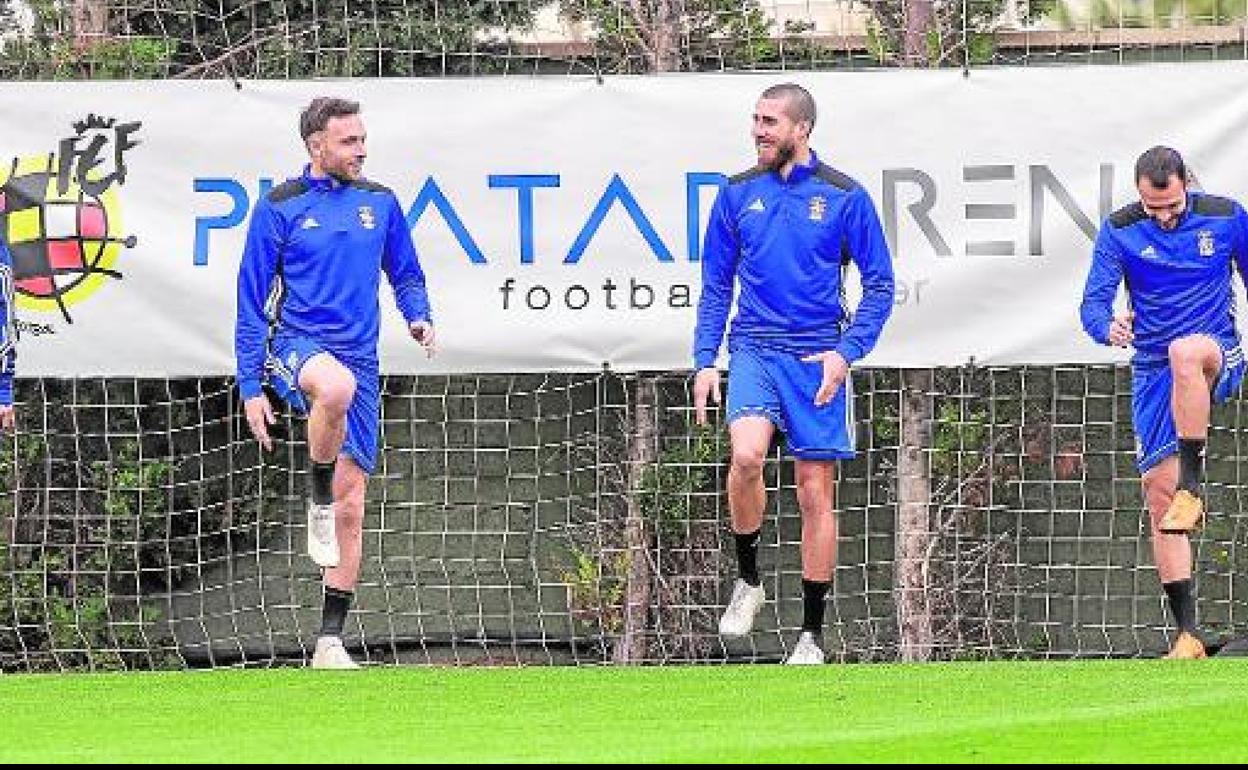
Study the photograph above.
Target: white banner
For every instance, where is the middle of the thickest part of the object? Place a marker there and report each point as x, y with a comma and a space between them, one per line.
559, 220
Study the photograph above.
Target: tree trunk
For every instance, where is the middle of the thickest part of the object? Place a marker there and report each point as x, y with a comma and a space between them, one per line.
89, 22
918, 16
642, 455
658, 22
667, 41
914, 530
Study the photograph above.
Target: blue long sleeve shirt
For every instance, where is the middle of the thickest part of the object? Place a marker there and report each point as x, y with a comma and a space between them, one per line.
1178, 281
8, 327
312, 265
787, 243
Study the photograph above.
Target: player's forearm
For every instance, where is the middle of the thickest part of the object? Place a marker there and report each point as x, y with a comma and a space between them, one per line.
8, 366
251, 331
1096, 322
250, 338
709, 333
873, 312
8, 357
1096, 312
413, 302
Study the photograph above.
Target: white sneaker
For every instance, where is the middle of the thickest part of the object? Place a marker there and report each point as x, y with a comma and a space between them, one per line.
738, 618
322, 535
806, 652
332, 655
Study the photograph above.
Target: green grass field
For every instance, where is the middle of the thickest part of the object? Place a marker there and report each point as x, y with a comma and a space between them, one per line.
1134, 711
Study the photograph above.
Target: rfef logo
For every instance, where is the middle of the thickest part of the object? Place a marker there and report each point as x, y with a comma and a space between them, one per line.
60, 214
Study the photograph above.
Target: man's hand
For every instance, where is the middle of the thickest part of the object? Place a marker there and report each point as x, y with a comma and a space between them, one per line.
259, 418
705, 386
835, 369
7, 420
422, 332
1120, 334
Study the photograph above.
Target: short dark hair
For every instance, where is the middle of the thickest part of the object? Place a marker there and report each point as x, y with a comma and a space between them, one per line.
801, 105
315, 117
1158, 164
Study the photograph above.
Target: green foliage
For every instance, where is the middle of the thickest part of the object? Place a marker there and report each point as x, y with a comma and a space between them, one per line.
670, 487
958, 34
94, 531
1037, 642
633, 36
596, 590
678, 500
1147, 14
343, 38
75, 596
958, 439
289, 39
1223, 550
55, 59
51, 49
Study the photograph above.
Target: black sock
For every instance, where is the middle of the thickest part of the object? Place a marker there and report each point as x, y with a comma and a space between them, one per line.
1182, 604
334, 614
323, 482
1191, 464
747, 556
813, 593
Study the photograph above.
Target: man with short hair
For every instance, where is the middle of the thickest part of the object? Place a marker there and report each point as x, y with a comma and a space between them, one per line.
1175, 249
308, 319
785, 232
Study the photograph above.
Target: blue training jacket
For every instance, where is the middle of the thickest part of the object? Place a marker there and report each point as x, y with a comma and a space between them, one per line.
788, 243
8, 327
312, 266
1178, 281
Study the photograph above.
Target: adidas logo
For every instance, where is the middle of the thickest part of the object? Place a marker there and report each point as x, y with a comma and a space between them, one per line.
310, 224
1148, 251
757, 205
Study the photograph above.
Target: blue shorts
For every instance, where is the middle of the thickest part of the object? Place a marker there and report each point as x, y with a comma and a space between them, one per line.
287, 355
782, 388
1156, 438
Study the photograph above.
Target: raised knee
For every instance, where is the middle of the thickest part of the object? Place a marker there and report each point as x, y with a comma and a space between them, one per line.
336, 394
1187, 355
